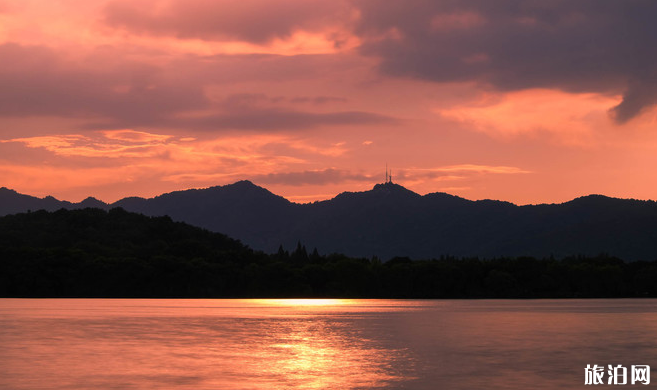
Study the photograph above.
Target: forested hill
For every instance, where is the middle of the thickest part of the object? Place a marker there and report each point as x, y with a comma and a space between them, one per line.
97, 253
389, 220
92, 252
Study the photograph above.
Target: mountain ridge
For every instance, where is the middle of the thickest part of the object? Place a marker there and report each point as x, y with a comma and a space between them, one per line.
250, 183
390, 220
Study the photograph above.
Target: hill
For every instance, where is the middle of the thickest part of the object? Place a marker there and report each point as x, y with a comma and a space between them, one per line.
93, 252
115, 253
389, 220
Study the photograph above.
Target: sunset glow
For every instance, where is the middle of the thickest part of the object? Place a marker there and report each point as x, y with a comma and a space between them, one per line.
309, 98
304, 302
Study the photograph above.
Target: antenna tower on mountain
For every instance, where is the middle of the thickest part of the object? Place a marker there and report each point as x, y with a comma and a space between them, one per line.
388, 175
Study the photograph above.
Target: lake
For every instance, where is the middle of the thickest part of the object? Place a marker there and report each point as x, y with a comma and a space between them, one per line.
319, 344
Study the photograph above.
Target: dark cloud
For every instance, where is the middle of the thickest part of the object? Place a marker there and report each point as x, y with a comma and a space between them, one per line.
255, 112
262, 112
240, 100
604, 46
283, 119
36, 81
318, 99
319, 177
247, 20
224, 68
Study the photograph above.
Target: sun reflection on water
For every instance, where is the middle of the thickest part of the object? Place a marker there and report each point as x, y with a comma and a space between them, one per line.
312, 348
304, 302
327, 355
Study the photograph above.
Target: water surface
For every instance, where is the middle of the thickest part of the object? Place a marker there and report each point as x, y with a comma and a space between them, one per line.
318, 344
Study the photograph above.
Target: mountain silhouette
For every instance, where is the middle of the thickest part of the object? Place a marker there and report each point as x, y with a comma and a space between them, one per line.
390, 220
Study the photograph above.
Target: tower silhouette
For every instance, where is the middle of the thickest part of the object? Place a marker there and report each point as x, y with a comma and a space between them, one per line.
388, 175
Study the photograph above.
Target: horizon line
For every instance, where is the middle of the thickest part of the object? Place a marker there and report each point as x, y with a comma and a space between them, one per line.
91, 197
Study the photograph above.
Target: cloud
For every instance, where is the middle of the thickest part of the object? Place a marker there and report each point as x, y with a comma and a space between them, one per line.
131, 136
641, 94
410, 176
318, 99
39, 81
309, 198
40, 180
312, 177
258, 111
569, 118
455, 172
600, 46
137, 145
241, 101
282, 119
184, 160
110, 144
478, 169
256, 21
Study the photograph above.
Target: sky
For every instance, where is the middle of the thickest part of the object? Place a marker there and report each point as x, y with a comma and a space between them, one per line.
533, 101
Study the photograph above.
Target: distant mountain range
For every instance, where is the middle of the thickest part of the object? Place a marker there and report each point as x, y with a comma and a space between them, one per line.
390, 220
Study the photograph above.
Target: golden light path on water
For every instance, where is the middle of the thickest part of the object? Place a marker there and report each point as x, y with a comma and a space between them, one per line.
304, 302
312, 350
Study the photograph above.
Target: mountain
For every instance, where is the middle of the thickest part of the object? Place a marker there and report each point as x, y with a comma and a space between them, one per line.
241, 210
12, 202
389, 220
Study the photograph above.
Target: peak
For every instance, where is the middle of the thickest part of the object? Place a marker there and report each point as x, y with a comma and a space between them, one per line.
91, 200
381, 190
591, 198
387, 184
238, 185
244, 190
5, 189
243, 183
389, 188
595, 200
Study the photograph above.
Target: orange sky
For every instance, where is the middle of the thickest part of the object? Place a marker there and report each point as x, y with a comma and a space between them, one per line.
308, 98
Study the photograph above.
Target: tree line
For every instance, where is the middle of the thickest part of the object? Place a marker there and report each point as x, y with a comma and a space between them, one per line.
97, 253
